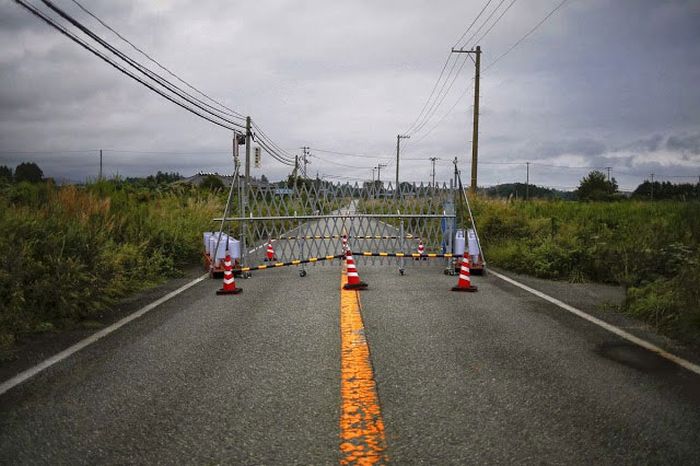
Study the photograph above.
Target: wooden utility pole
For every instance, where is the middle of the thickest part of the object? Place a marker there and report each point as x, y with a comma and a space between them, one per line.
99, 177
652, 187
399, 137
475, 128
527, 181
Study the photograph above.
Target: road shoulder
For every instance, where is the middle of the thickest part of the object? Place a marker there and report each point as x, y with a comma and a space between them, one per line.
33, 349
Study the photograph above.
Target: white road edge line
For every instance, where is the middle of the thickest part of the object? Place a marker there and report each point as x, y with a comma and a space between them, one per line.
45, 364
611, 328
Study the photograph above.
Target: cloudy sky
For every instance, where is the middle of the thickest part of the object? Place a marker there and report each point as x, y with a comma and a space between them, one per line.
601, 83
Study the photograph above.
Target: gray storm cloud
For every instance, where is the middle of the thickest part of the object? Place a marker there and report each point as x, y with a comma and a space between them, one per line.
601, 83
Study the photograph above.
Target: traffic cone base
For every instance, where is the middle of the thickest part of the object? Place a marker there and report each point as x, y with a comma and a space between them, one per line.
471, 288
223, 291
355, 286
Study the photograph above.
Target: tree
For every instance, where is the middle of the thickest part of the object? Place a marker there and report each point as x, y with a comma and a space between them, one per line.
594, 187
28, 171
212, 183
264, 179
5, 173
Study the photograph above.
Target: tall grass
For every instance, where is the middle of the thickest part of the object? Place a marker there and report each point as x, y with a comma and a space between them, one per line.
653, 249
67, 253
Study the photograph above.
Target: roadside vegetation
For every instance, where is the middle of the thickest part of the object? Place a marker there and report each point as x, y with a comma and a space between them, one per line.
69, 252
650, 248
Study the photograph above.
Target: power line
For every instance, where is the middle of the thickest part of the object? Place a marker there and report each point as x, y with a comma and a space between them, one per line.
340, 164
449, 112
436, 104
442, 72
230, 112
495, 22
472, 24
482, 24
140, 68
519, 41
211, 114
347, 154
120, 68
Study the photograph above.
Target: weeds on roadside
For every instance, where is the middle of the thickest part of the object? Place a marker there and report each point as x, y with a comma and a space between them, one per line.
67, 253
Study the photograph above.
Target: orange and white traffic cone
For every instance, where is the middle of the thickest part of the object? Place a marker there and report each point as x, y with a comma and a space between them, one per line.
344, 239
354, 282
270, 253
464, 282
229, 281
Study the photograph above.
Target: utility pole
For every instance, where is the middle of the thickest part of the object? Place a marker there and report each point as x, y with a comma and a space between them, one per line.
248, 134
608, 169
652, 187
527, 181
295, 173
475, 128
99, 177
399, 137
374, 169
432, 160
305, 158
379, 172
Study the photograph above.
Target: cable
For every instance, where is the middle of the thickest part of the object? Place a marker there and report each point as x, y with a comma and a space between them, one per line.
434, 107
281, 152
340, 164
232, 113
519, 41
363, 156
103, 57
472, 24
139, 67
449, 112
427, 101
442, 72
496, 22
484, 23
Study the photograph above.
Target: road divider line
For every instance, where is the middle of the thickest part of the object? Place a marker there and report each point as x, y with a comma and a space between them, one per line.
56, 358
609, 327
362, 439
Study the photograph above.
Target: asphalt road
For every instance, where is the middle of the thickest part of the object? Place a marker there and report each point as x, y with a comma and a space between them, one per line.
498, 376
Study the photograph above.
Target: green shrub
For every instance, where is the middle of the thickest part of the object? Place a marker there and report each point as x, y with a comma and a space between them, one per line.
67, 253
650, 248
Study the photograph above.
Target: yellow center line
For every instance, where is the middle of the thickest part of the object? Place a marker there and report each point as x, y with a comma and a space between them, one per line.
362, 438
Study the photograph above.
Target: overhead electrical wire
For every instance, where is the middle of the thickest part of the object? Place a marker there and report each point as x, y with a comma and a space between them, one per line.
41, 15
230, 111
426, 116
495, 22
139, 67
339, 163
444, 67
161, 85
279, 154
347, 154
472, 24
439, 103
524, 37
488, 18
436, 105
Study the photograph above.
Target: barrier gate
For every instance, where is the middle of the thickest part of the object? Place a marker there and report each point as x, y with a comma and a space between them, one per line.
309, 219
